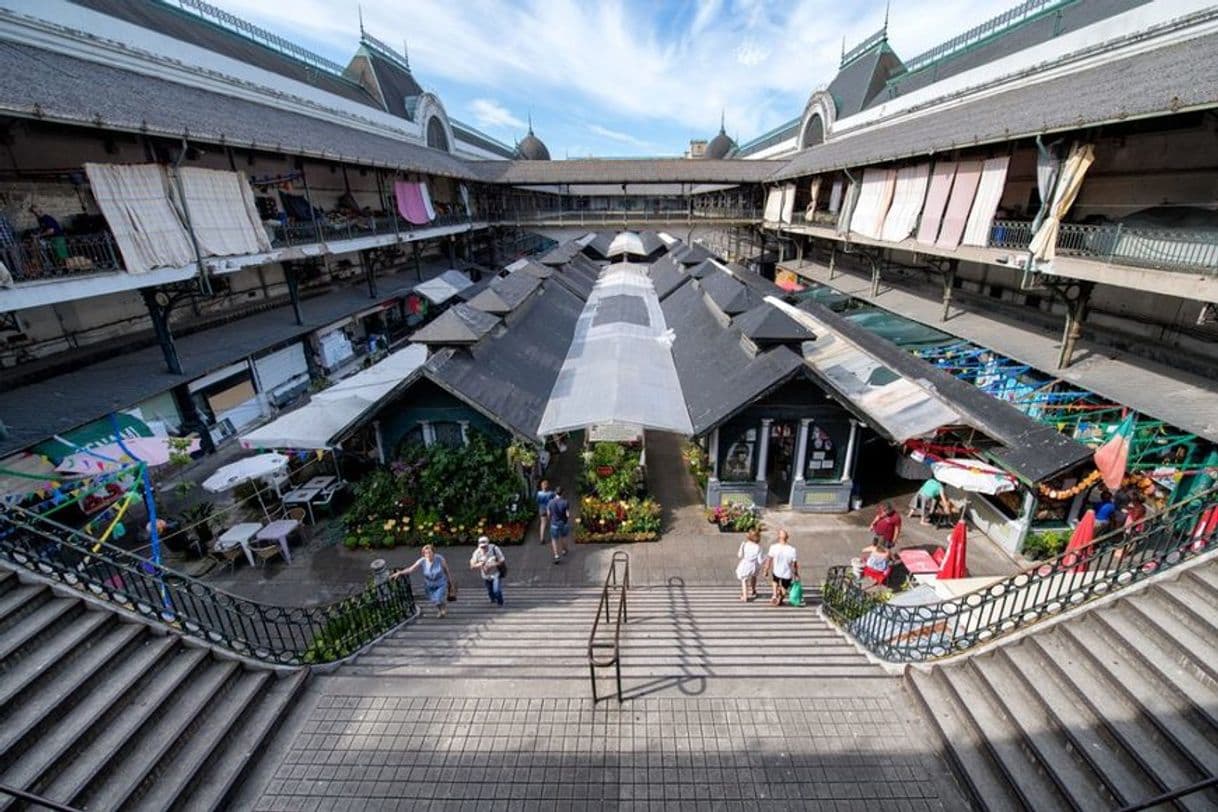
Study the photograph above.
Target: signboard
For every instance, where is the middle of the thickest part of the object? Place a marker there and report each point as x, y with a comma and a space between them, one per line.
745, 499
92, 435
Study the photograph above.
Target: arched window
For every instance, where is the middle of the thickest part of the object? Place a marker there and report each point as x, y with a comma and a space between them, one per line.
814, 133
436, 137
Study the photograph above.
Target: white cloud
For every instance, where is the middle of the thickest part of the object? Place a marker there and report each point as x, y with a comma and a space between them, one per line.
490, 114
621, 137
758, 60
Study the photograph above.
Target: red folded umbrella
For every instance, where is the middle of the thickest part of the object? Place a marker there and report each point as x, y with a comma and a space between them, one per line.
1080, 540
953, 562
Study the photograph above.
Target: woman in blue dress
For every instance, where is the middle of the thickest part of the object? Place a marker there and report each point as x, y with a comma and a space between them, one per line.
435, 578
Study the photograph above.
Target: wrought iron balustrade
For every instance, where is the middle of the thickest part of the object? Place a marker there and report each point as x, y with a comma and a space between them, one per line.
52, 258
617, 216
1114, 561
281, 635
1173, 249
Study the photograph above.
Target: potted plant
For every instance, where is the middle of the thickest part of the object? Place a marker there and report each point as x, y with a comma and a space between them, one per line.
198, 517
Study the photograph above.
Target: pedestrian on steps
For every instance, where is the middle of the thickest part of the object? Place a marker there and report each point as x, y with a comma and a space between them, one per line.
782, 566
544, 495
749, 558
435, 578
560, 523
488, 560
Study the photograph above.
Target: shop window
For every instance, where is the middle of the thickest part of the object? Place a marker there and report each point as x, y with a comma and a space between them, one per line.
448, 433
413, 437
736, 456
826, 451
1009, 504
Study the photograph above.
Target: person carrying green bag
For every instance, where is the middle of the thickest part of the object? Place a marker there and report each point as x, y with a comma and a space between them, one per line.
795, 597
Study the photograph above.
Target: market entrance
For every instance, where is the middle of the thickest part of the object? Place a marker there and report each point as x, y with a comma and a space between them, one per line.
780, 461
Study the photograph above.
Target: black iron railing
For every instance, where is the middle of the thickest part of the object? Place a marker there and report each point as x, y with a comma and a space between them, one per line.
55, 257
1114, 561
1172, 249
306, 233
608, 653
282, 635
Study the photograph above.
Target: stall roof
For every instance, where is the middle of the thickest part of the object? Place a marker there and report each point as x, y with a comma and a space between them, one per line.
703, 268
666, 277
505, 294
460, 324
440, 289
322, 422
531, 267
562, 253
767, 324
577, 278
619, 367
718, 377
728, 293
509, 374
1029, 449
694, 253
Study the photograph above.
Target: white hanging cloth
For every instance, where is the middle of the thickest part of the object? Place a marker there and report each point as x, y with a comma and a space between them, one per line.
906, 202
134, 199
1044, 241
773, 206
221, 212
985, 203
875, 197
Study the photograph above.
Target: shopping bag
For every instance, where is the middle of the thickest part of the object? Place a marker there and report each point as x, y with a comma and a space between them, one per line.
796, 596
452, 590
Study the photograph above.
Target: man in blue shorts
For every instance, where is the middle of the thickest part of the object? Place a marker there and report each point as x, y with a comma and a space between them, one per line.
560, 523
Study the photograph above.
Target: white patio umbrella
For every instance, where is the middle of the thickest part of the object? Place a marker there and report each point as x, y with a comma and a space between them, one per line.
152, 451
973, 476
258, 466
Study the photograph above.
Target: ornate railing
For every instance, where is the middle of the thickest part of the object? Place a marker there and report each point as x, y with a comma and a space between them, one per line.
281, 635
55, 257
619, 216
260, 35
987, 29
305, 233
1165, 248
1114, 561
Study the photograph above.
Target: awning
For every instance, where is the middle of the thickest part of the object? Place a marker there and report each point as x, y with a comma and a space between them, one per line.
899, 407
322, 422
222, 212
619, 368
443, 287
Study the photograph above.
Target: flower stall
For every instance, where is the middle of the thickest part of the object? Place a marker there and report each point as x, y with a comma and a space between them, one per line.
613, 507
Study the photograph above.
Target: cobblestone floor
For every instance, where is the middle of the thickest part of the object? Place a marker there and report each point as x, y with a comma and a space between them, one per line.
385, 752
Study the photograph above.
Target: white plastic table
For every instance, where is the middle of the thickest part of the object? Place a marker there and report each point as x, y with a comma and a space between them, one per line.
279, 531
303, 496
240, 534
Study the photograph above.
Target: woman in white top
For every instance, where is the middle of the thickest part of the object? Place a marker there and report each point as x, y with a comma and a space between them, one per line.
750, 558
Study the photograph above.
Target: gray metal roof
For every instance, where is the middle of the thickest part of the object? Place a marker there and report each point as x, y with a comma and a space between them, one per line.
730, 295
562, 253
666, 277
765, 324
459, 324
1143, 84
1031, 450
509, 376
505, 293
718, 378
640, 170
51, 86
693, 254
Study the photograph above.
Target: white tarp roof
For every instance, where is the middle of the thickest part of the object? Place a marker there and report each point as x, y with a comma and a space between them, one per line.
318, 423
904, 408
619, 368
443, 287
626, 242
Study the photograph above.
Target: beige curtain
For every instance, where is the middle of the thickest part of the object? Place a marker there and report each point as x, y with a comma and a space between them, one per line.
222, 212
134, 199
813, 194
1069, 182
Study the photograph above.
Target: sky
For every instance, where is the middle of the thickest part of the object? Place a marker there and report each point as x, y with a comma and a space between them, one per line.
619, 77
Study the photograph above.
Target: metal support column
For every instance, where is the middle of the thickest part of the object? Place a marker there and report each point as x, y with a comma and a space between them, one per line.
949, 279
309, 199
290, 276
369, 273
159, 307
875, 274
192, 421
832, 260
418, 261
1077, 303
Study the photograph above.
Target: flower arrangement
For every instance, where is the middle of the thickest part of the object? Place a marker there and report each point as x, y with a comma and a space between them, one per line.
622, 520
735, 518
698, 463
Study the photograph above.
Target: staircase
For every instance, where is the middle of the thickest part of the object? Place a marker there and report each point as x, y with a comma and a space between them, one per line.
673, 633
1111, 707
100, 713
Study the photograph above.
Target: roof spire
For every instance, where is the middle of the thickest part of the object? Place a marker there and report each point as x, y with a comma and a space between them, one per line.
406, 53
360, 9
887, 7
723, 119
530, 122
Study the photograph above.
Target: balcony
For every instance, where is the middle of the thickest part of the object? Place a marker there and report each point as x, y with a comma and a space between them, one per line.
1168, 249
618, 217
305, 233
37, 259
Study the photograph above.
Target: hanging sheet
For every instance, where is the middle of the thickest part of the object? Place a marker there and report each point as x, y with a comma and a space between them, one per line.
410, 203
788, 202
813, 195
425, 193
936, 201
906, 202
835, 196
964, 187
1044, 242
773, 206
849, 204
134, 199
222, 212
875, 197
985, 203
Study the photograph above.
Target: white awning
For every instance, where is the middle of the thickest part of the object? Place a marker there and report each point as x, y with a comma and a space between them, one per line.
619, 368
321, 422
627, 242
443, 287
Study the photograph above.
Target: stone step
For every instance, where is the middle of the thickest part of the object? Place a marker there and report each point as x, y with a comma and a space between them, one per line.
37, 625
8, 581
1187, 637
1124, 777
102, 703
962, 742
214, 785
1206, 574
128, 766
93, 756
55, 696
1104, 696
175, 771
760, 670
51, 654
1207, 588
20, 600
1052, 752
1003, 740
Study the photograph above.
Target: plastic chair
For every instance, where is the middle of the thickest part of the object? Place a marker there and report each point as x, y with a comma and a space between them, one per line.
879, 577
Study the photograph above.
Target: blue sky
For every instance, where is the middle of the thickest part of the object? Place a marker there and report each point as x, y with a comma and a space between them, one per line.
618, 77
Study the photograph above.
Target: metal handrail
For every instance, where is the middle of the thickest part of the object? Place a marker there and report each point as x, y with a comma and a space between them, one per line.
1112, 562
615, 660
280, 635
1172, 795
37, 800
1186, 249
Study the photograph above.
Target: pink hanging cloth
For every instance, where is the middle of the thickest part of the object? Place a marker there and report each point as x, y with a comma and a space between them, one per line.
410, 202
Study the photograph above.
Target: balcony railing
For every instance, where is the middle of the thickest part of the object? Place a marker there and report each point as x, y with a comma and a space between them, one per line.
303, 233
281, 635
1170, 249
52, 258
618, 216
817, 218
1114, 561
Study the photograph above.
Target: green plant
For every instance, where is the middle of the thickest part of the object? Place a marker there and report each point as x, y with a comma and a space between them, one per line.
521, 454
353, 623
1044, 544
698, 463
